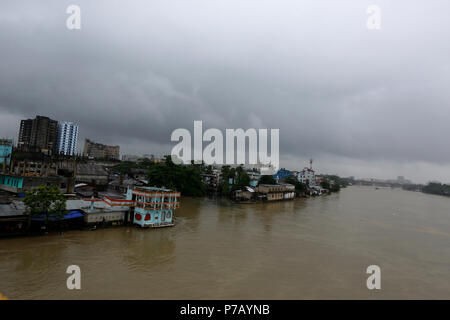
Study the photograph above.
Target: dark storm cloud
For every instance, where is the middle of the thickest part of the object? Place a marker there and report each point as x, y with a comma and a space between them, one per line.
338, 92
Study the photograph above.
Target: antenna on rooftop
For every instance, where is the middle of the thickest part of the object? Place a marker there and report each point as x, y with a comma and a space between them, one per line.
310, 163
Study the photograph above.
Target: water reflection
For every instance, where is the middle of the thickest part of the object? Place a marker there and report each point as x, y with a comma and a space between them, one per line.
148, 249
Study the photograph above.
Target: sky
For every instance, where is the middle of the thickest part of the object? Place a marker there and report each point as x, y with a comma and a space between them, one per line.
360, 102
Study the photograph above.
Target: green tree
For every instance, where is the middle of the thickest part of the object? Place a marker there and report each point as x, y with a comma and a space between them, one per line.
184, 178
242, 178
225, 188
291, 180
225, 184
47, 201
299, 187
335, 187
267, 179
326, 185
225, 171
437, 188
124, 167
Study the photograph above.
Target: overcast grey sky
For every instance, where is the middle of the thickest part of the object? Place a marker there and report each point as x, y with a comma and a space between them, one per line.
369, 103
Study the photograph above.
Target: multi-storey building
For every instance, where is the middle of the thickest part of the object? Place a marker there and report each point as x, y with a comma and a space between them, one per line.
25, 133
100, 151
307, 176
25, 174
131, 157
67, 138
40, 132
5, 152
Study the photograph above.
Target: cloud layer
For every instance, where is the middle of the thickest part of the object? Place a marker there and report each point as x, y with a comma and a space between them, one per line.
360, 102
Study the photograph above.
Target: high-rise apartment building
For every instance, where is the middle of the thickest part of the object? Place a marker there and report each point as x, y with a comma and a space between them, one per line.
25, 132
67, 138
40, 132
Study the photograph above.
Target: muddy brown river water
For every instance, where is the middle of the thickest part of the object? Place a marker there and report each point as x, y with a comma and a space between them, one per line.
316, 248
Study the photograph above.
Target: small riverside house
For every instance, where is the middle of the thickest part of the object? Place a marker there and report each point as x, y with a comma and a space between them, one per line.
13, 219
106, 211
274, 192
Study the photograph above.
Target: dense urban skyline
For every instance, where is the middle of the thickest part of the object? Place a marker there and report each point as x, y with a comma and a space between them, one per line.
360, 102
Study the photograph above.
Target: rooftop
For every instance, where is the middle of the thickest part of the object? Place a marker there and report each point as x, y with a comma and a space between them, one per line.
91, 169
152, 189
15, 208
99, 206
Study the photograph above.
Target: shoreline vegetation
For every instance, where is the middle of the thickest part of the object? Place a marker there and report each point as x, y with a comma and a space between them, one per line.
187, 179
436, 188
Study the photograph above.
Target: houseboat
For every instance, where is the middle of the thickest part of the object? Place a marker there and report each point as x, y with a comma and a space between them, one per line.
143, 206
274, 192
153, 207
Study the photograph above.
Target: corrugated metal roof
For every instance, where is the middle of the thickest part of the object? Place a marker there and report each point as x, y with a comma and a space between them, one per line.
15, 208
249, 189
70, 215
86, 205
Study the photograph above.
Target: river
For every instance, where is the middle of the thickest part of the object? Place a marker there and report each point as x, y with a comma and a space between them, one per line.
317, 248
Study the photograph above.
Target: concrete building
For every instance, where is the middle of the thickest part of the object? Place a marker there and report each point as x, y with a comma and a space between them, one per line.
24, 175
122, 186
307, 176
106, 211
273, 192
100, 151
211, 180
40, 132
401, 180
67, 138
246, 194
130, 157
21, 184
153, 158
13, 220
92, 174
6, 146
